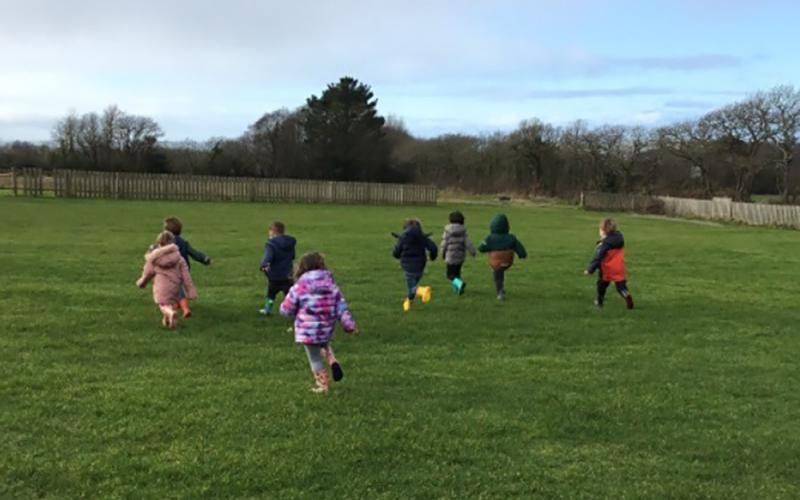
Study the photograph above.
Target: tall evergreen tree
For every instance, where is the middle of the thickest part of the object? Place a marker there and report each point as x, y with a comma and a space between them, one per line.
344, 133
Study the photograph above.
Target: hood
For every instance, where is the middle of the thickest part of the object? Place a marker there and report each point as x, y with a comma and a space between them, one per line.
614, 240
499, 224
282, 242
317, 279
413, 233
168, 256
455, 229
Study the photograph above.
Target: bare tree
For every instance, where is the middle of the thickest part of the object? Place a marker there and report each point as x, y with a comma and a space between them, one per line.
743, 129
783, 103
65, 134
90, 138
691, 141
535, 144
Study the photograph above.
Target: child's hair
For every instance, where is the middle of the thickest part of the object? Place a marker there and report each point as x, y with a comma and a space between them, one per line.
173, 225
165, 238
309, 262
608, 225
412, 222
456, 217
278, 227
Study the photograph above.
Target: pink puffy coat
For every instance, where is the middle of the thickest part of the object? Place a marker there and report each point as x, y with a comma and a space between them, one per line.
316, 304
169, 272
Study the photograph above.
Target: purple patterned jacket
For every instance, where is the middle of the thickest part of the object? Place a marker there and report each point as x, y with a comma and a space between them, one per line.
316, 304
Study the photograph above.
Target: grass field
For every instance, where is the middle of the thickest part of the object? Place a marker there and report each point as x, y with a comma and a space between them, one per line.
692, 395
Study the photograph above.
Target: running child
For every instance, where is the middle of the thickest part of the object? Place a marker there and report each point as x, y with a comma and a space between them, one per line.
455, 245
170, 274
411, 247
501, 247
174, 226
277, 264
316, 304
609, 259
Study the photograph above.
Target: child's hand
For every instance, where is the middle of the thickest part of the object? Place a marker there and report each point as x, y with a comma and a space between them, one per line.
140, 283
265, 269
585, 272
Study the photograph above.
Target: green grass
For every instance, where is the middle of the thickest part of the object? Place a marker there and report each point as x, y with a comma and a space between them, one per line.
692, 395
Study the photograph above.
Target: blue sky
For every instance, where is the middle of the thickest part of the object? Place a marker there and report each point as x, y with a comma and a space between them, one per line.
208, 69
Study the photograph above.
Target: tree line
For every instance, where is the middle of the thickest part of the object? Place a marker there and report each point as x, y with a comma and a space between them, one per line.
742, 148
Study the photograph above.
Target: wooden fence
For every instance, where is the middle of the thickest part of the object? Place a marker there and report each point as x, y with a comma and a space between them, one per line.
137, 186
718, 209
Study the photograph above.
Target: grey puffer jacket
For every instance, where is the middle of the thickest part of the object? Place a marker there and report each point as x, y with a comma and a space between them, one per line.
456, 244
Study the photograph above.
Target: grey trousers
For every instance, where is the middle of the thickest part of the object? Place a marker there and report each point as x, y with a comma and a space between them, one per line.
314, 353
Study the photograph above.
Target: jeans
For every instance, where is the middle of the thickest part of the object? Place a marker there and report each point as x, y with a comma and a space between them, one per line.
412, 279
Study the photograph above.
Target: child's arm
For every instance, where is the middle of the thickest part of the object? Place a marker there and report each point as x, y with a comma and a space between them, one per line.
469, 246
520, 249
291, 303
432, 250
443, 244
186, 278
343, 313
483, 247
597, 259
398, 247
197, 255
148, 271
267, 259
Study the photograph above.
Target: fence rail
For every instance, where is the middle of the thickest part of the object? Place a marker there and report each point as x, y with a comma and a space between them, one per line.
137, 186
717, 209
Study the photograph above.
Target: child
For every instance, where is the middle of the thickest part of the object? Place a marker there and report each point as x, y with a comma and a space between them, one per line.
609, 258
411, 246
170, 274
455, 245
277, 264
174, 226
316, 304
501, 246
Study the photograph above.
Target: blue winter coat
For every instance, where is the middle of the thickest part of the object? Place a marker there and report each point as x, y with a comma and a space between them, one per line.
411, 247
278, 257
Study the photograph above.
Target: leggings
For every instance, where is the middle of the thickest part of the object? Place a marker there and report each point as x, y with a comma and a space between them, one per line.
499, 279
602, 286
316, 353
453, 271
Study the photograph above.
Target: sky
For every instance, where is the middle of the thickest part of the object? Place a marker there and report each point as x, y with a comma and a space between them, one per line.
210, 68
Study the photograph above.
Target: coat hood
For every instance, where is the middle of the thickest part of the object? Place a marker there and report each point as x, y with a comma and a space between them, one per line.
614, 240
283, 242
499, 224
455, 229
317, 279
167, 256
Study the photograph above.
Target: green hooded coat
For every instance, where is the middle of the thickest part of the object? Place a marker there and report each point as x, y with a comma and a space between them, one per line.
500, 239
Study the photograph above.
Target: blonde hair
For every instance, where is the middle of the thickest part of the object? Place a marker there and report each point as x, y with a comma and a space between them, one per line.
165, 238
608, 225
309, 262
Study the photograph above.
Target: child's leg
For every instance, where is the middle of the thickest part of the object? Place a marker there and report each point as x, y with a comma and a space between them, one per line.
168, 318
313, 351
411, 283
454, 274
273, 287
499, 280
602, 286
622, 289
336, 368
184, 303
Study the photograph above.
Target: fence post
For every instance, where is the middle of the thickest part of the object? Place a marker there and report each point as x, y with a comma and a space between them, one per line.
14, 179
581, 203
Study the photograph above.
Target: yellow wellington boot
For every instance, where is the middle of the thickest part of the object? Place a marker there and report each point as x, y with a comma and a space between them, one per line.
424, 293
407, 305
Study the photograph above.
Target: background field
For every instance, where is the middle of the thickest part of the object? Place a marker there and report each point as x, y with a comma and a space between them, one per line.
693, 394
